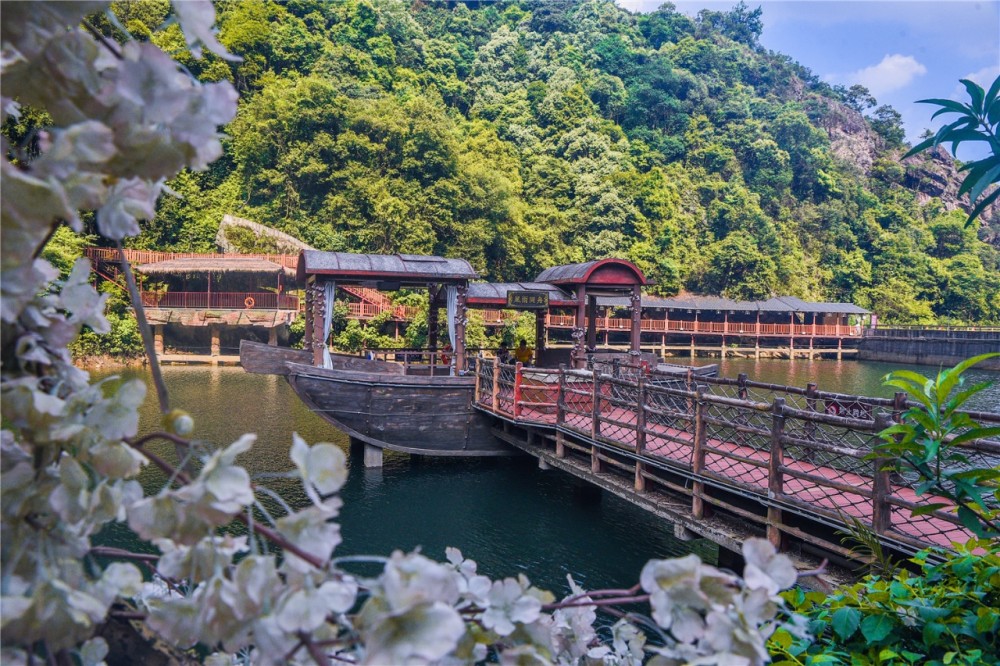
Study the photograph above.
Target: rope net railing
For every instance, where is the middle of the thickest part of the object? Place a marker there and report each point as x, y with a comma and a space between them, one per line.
779, 445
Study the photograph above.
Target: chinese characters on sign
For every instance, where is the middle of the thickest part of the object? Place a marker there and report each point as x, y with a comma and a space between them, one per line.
854, 410
528, 300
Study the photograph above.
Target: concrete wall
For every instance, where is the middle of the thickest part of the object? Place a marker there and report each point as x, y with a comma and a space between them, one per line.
929, 346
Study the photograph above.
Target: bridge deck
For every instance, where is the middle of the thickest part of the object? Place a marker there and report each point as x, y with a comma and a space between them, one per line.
801, 468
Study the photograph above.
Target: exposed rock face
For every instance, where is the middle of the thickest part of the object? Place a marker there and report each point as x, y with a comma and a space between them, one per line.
934, 174
851, 138
931, 174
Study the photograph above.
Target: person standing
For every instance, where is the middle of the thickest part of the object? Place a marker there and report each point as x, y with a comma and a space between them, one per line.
523, 353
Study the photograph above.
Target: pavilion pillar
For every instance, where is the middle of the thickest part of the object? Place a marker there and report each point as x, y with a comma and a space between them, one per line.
579, 353
308, 315
319, 341
591, 323
432, 322
158, 339
272, 336
540, 340
636, 331
216, 345
461, 319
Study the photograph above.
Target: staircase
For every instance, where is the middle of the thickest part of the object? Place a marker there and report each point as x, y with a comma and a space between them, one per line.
377, 299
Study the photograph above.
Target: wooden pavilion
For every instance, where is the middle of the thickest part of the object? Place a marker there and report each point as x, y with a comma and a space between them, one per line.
223, 293
589, 281
447, 281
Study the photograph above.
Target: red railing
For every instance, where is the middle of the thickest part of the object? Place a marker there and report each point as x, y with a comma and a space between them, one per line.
138, 257
712, 327
791, 448
223, 300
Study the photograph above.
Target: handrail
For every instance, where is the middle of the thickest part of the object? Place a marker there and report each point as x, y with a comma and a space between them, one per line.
219, 300
138, 257
792, 454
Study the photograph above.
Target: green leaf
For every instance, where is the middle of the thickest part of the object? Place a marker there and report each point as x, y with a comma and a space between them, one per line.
991, 95
845, 621
988, 179
949, 104
975, 93
876, 627
924, 509
970, 520
974, 171
982, 205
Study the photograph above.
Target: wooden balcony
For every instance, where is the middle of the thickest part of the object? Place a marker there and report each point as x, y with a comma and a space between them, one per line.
222, 300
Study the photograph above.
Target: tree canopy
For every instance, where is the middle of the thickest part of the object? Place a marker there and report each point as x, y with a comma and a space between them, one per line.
521, 134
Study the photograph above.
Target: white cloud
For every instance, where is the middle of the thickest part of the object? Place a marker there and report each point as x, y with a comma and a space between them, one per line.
984, 77
895, 72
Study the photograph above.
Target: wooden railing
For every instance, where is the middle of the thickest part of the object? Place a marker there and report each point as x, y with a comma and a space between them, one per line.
223, 300
713, 328
138, 257
801, 456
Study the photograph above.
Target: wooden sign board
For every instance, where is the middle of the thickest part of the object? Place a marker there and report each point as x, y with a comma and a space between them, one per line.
528, 300
852, 409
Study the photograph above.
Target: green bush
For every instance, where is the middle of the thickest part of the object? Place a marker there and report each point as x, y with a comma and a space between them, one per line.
947, 614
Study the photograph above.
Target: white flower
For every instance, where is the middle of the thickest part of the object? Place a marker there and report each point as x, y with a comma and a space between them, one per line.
412, 579
323, 467
509, 604
423, 633
197, 18
766, 568
127, 202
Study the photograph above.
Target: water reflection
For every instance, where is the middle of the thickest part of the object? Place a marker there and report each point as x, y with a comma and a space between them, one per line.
505, 513
853, 377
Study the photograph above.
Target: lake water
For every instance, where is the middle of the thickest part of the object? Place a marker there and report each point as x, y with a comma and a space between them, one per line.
506, 514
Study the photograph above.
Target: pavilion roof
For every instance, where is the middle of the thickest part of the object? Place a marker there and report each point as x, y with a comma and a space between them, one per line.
605, 272
495, 293
397, 268
193, 265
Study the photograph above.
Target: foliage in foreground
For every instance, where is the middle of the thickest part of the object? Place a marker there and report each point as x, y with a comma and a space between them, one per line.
928, 441
948, 613
978, 122
125, 119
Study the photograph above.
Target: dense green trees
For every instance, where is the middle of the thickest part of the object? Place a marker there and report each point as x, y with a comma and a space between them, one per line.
520, 134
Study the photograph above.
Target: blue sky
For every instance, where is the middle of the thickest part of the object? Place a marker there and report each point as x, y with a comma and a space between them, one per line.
901, 50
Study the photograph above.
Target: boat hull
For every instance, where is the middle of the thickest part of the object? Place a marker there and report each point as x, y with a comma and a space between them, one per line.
382, 407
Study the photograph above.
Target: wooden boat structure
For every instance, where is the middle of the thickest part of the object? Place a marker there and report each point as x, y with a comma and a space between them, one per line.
429, 408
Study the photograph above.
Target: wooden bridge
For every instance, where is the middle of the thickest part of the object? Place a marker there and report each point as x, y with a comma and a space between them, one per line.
724, 458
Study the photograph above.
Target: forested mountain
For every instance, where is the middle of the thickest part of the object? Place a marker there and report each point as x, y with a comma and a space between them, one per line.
523, 134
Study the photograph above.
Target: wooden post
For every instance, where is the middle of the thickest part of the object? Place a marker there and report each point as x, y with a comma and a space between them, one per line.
595, 424
640, 434
432, 325
591, 323
517, 390
698, 455
216, 345
775, 478
881, 484
308, 314
272, 336
539, 335
561, 412
811, 406
636, 331
319, 341
479, 376
496, 384
595, 427
579, 353
158, 339
461, 317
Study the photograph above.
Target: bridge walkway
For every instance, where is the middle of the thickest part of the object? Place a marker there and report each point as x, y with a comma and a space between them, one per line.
793, 463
